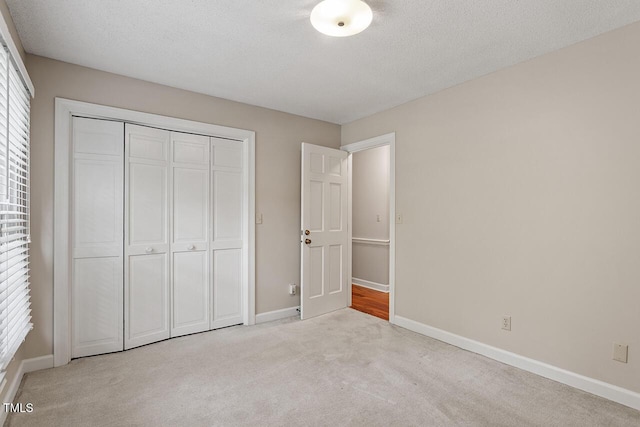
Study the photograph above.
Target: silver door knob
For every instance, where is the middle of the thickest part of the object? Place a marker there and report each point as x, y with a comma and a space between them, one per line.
149, 250
191, 247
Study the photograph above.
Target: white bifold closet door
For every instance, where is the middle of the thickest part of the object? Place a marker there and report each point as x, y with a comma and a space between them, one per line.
157, 235
189, 234
167, 289
227, 232
96, 237
146, 235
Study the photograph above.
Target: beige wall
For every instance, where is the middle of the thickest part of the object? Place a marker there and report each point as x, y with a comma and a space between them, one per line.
521, 196
370, 213
278, 138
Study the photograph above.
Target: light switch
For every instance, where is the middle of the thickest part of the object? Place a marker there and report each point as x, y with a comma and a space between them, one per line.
398, 218
259, 218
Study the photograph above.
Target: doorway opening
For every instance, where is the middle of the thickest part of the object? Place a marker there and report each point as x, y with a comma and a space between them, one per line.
370, 231
327, 234
372, 225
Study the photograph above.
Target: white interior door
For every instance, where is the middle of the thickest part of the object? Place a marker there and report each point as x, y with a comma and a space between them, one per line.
189, 236
96, 235
324, 238
227, 231
146, 235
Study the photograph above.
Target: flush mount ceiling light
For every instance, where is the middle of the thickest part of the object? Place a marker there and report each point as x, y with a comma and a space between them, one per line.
341, 18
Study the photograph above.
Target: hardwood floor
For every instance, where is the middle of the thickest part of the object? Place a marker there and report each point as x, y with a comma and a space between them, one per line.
368, 301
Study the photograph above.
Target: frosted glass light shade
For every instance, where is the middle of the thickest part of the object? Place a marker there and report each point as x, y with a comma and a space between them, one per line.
341, 18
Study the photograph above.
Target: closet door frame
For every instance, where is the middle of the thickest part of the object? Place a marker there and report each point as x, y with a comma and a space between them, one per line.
65, 109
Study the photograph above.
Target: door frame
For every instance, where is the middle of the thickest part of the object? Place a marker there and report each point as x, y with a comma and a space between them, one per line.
375, 142
65, 109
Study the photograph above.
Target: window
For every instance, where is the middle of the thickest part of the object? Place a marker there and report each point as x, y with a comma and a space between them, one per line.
15, 311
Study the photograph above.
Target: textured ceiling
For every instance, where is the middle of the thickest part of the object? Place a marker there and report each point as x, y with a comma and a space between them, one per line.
267, 53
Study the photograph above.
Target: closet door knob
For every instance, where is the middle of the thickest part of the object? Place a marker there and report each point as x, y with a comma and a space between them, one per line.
149, 250
191, 247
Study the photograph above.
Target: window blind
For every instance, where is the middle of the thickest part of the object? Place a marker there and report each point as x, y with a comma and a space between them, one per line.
15, 311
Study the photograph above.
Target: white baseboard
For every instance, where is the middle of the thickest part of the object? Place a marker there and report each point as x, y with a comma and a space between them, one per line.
37, 363
277, 314
26, 366
590, 385
371, 285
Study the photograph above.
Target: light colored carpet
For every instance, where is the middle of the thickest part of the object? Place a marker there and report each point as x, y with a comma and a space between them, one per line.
344, 368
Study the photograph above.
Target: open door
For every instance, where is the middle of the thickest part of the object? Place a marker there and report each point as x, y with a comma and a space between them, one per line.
324, 236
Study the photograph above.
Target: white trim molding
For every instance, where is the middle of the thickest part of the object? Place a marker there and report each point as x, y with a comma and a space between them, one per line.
284, 313
378, 141
371, 285
375, 142
65, 109
374, 242
581, 382
37, 363
26, 366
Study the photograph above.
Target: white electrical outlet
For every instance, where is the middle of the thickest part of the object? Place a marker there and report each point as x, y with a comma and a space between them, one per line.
620, 352
292, 289
258, 218
506, 323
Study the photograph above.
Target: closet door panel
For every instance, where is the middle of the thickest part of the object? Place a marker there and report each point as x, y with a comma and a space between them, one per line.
189, 232
96, 236
148, 303
101, 137
148, 204
190, 293
148, 143
190, 199
190, 149
96, 306
226, 233
227, 209
227, 297
147, 268
97, 207
226, 154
